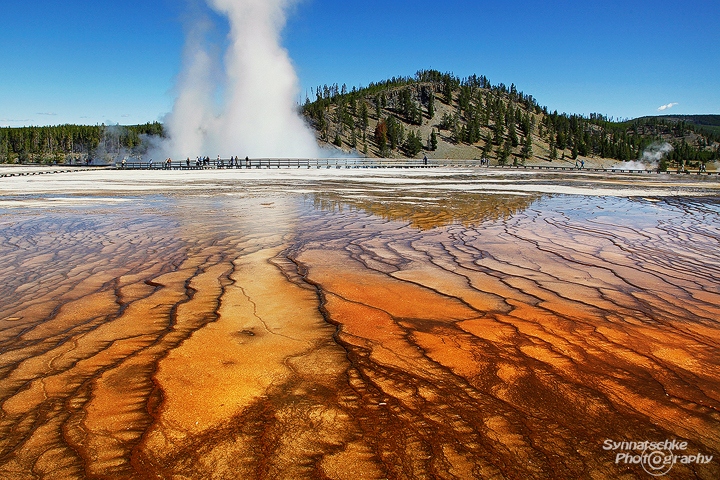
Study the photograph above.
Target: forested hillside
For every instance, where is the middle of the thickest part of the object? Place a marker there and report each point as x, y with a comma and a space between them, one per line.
432, 112
471, 118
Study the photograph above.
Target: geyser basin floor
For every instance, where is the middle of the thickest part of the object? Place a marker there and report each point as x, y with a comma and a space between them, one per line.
355, 329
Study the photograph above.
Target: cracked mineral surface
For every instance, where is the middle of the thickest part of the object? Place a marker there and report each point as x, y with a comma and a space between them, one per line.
344, 326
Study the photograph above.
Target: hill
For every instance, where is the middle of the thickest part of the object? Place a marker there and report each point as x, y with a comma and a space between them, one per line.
448, 117
430, 113
708, 124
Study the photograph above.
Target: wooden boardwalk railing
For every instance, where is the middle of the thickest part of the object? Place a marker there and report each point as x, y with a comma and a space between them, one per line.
274, 163
43, 172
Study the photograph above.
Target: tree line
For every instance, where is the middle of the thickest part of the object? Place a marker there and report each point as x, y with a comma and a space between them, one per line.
69, 143
403, 116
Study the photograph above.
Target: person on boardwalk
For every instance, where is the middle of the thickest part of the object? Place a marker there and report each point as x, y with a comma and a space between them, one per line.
187, 162
425, 160
247, 162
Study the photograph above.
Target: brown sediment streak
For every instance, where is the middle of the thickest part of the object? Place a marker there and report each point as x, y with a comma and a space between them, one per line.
276, 338
519, 345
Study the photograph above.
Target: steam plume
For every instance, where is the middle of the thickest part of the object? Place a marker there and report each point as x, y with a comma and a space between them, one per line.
650, 158
655, 152
257, 115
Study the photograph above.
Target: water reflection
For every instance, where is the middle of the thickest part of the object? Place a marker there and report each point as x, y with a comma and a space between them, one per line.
428, 210
355, 331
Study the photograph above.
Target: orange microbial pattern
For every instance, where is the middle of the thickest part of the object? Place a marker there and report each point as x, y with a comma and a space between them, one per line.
307, 335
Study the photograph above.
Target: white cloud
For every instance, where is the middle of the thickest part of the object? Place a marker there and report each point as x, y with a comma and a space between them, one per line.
665, 107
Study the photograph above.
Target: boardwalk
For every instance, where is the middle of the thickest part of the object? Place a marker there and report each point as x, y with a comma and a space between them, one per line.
39, 171
275, 163
278, 163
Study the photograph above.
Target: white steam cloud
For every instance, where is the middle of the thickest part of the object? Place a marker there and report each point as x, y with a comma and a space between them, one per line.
245, 104
650, 158
655, 152
668, 106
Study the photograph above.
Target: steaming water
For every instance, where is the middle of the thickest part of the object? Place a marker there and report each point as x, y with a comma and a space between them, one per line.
257, 116
650, 157
425, 183
328, 324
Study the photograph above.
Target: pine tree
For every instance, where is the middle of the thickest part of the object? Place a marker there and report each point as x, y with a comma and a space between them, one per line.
381, 136
512, 133
364, 116
413, 144
553, 152
527, 150
447, 90
322, 126
561, 141
507, 149
395, 132
431, 105
433, 141
499, 128
447, 122
487, 149
502, 155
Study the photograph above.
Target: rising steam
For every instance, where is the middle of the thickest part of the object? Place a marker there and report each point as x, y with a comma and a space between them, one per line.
257, 86
655, 152
651, 156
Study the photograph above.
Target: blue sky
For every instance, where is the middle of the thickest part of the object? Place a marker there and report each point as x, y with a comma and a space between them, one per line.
92, 62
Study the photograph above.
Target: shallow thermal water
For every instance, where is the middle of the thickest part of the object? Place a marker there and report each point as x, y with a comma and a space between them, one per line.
349, 328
